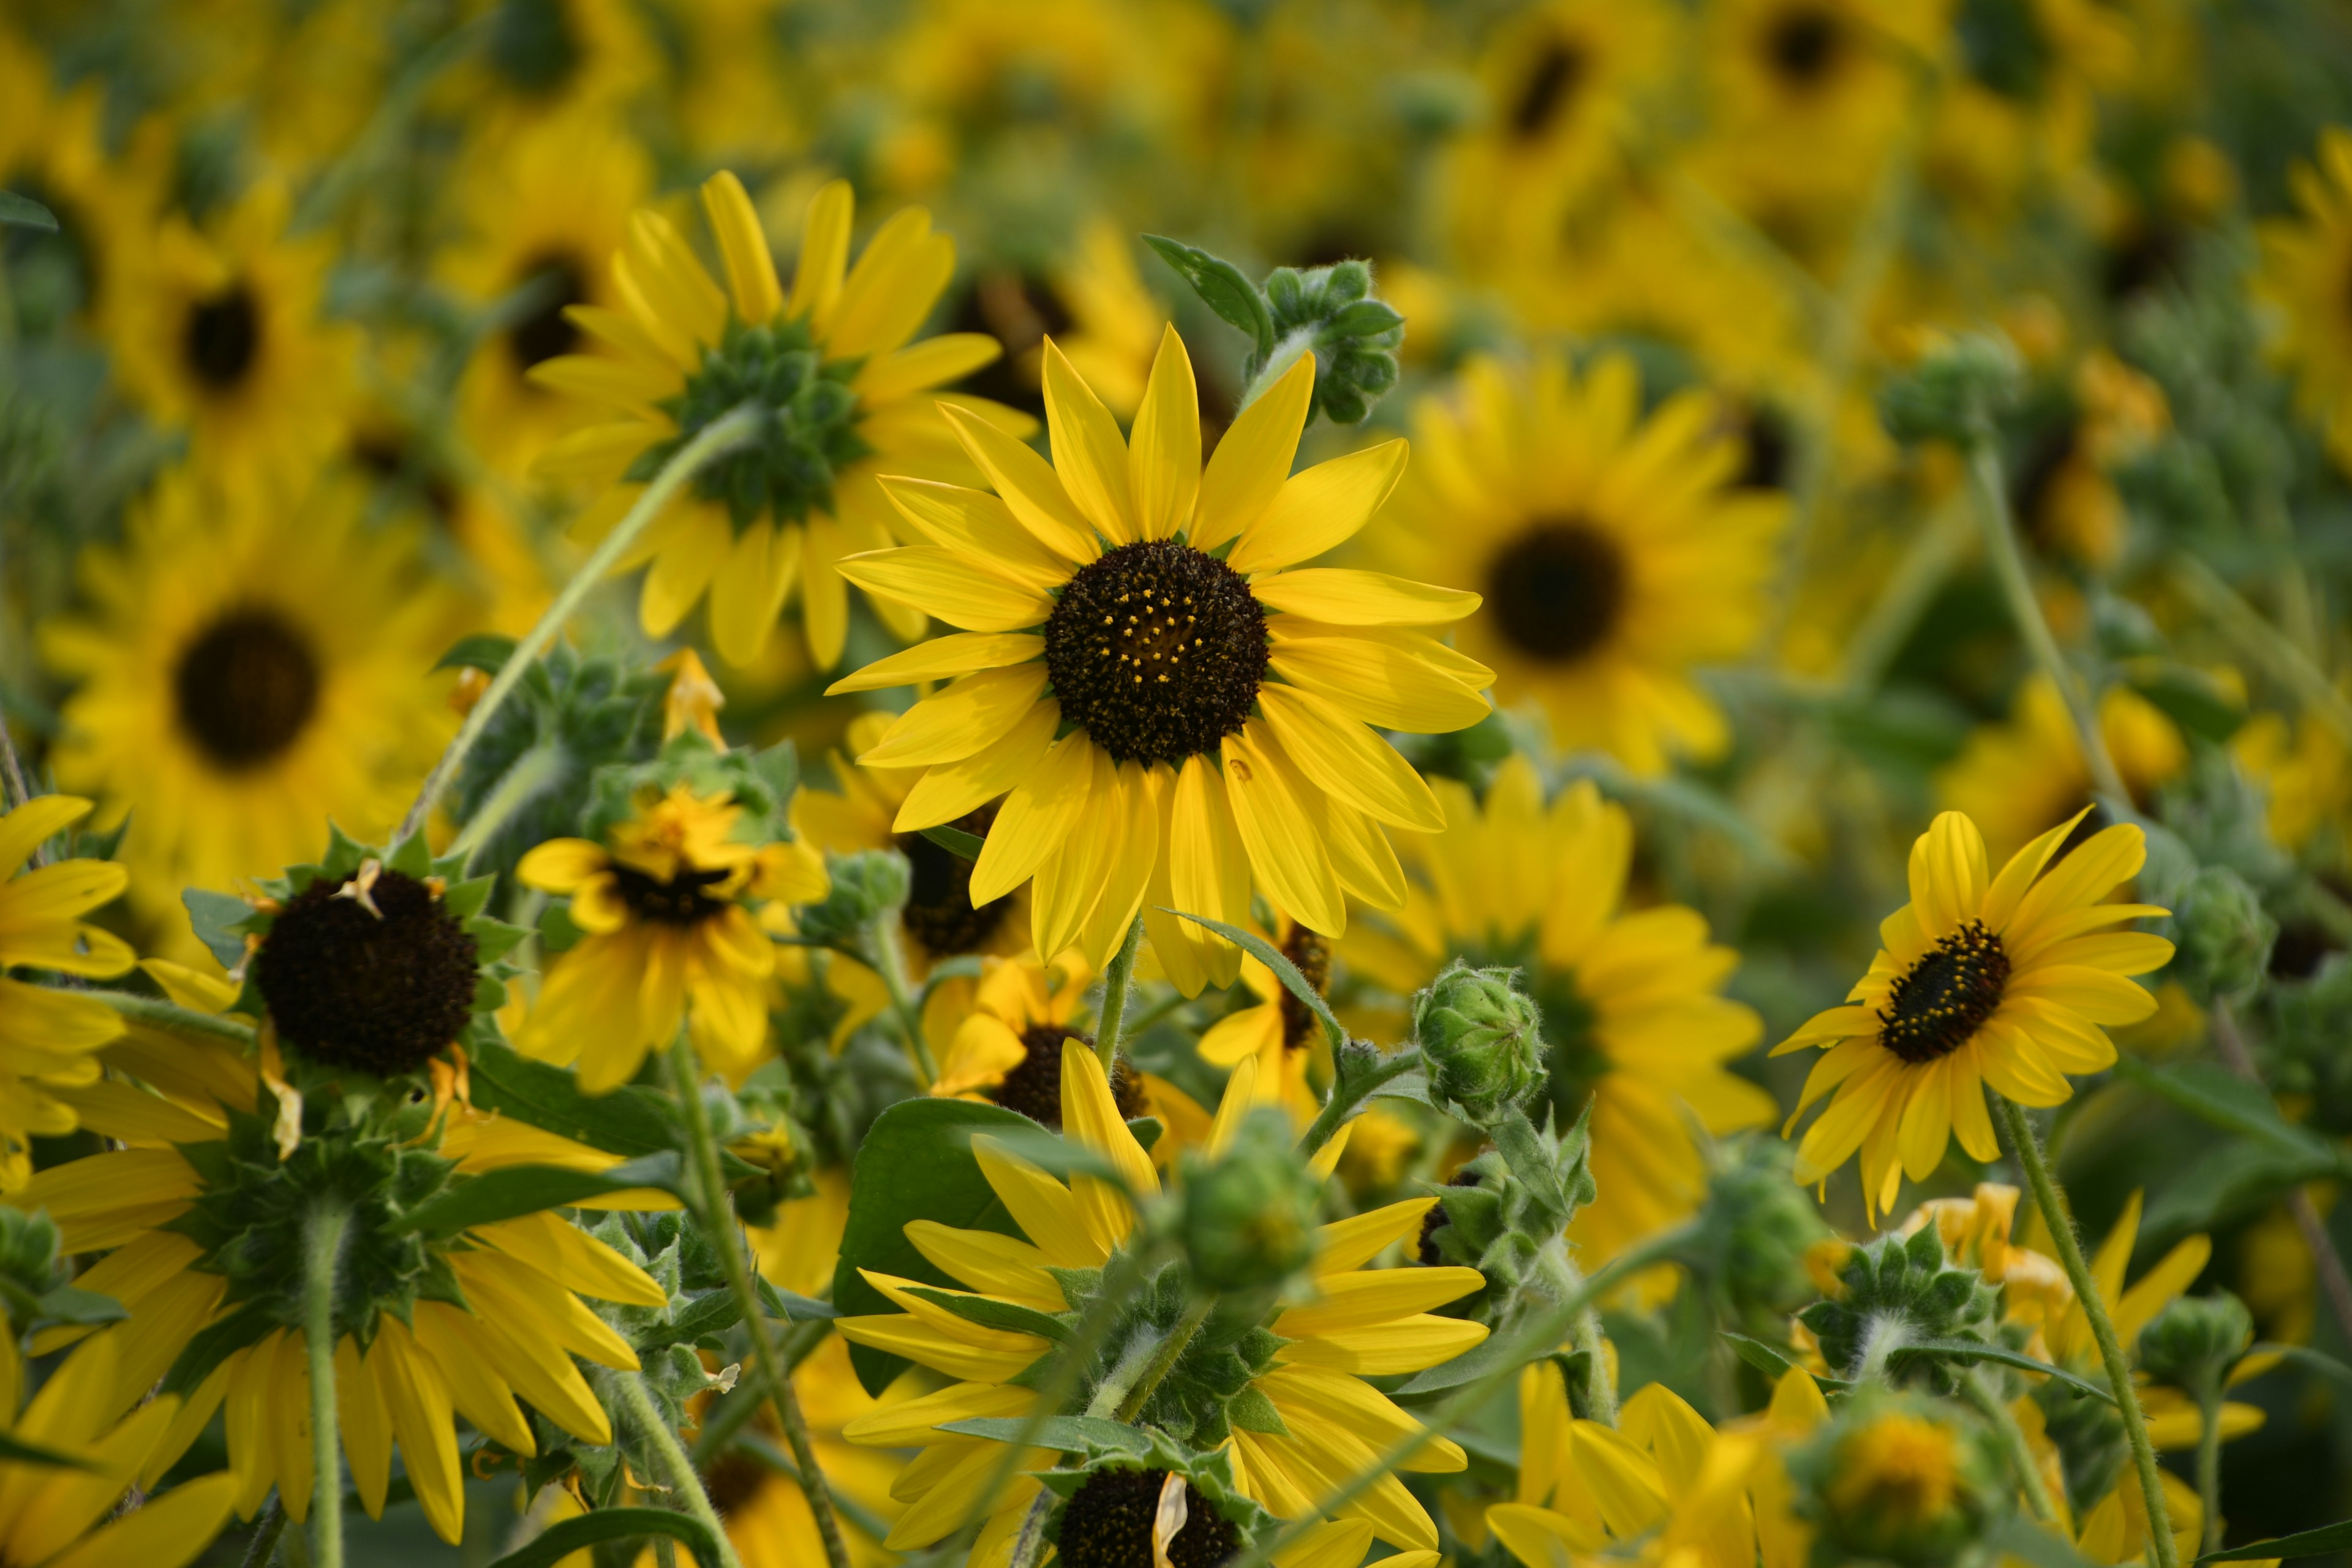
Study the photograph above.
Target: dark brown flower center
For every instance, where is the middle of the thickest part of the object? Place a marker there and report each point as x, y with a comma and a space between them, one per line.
246, 688
1803, 45
684, 900
379, 989
1549, 90
222, 337
1559, 589
1157, 651
1945, 997
1107, 1523
547, 332
1312, 953
1034, 1086
938, 912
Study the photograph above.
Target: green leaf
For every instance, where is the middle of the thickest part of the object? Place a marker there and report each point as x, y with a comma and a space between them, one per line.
557, 1542
1773, 1361
629, 1121
2309, 1543
26, 213
916, 1163
992, 1313
1065, 1434
1977, 1350
1265, 953
218, 919
792, 1306
2234, 1180
18, 1451
1222, 287
2303, 1355
956, 841
67, 1304
518, 1190
2212, 1093
2035, 1544
485, 651
214, 1344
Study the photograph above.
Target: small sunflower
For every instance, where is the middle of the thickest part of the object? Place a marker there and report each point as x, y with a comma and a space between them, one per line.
2020, 106
48, 1038
53, 149
2306, 769
1614, 551
2306, 286
2007, 981
1007, 1047
220, 332
668, 899
833, 363
1632, 1010
251, 666
2016, 780
1176, 711
551, 59
1331, 1423
546, 209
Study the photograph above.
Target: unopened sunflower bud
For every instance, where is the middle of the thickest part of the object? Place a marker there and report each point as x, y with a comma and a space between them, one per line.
1898, 1291
1757, 1228
1329, 312
29, 1261
2223, 934
1900, 1479
1955, 391
1249, 1213
2196, 1340
1482, 1037
866, 885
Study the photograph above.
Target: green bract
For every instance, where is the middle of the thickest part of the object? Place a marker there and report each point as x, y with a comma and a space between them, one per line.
1482, 1039
1249, 1215
1900, 1291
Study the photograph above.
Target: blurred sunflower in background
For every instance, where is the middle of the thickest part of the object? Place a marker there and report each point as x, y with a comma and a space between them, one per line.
2305, 259
2018, 779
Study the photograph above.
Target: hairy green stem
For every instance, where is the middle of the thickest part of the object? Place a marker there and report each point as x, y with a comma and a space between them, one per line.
532, 773
737, 1412
1347, 1096
1882, 1336
2208, 1461
720, 1225
1171, 1350
2052, 1200
1989, 487
1117, 981
1286, 352
170, 1018
716, 439
883, 956
1978, 1391
677, 1469
322, 1259
1567, 1284
1535, 1339
263, 1547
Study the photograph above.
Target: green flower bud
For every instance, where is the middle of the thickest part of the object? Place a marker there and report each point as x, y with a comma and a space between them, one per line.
2223, 934
867, 886
1953, 391
30, 1264
1482, 1037
2196, 1340
1249, 1213
1902, 1287
1900, 1478
1354, 337
1755, 1229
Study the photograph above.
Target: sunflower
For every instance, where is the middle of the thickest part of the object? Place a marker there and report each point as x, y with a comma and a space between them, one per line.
1358, 1323
53, 149
1096, 307
201, 1150
1632, 1013
1006, 1047
550, 60
1277, 1032
667, 901
2305, 771
1210, 704
2306, 289
544, 210
49, 1036
2005, 981
219, 333
833, 363
58, 1517
252, 666
1614, 551
2021, 104
2015, 780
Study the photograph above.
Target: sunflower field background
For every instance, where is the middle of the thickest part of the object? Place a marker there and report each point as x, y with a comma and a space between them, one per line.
1150, 784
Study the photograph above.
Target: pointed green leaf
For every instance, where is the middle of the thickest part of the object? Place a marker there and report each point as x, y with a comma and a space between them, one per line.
483, 651
2309, 1543
557, 1542
1977, 1350
1222, 286
956, 841
515, 1190
991, 1313
1265, 953
26, 213
1064, 1434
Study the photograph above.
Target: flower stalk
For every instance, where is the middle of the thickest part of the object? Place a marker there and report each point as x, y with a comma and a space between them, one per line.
1171, 1350
322, 1259
1117, 981
2052, 1199
1978, 1391
717, 1216
677, 1468
884, 957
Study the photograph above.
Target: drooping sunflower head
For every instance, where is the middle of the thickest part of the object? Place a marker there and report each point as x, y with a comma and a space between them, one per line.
1141, 668
2004, 981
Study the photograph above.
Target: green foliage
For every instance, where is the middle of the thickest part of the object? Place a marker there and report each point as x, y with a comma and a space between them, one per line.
1481, 1040
1899, 1291
1249, 1215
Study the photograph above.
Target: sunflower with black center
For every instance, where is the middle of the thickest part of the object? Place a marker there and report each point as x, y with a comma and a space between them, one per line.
251, 666
688, 848
1170, 709
543, 213
2006, 982
2016, 779
1635, 1021
551, 59
841, 386
1296, 1420
53, 149
2019, 110
2305, 290
1616, 553
1007, 1047
220, 333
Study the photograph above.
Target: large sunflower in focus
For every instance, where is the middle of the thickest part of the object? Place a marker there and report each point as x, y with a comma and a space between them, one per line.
250, 667
1614, 551
219, 333
1632, 1006
1176, 713
2306, 284
846, 391
2006, 981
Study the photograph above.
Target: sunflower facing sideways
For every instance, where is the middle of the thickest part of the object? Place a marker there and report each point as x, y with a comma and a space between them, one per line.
2008, 982
847, 395
1614, 551
250, 667
1328, 1424
1176, 713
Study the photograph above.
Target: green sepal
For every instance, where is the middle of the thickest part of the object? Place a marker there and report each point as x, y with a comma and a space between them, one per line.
517, 1190
213, 1344
485, 651
1252, 1411
991, 1313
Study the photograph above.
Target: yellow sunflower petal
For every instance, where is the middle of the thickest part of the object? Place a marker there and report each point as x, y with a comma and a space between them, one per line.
1028, 485
1289, 859
959, 719
1164, 463
1343, 755
1088, 452
948, 791
1320, 508
1344, 597
1036, 817
825, 253
750, 270
1252, 459
951, 586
